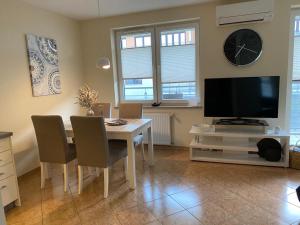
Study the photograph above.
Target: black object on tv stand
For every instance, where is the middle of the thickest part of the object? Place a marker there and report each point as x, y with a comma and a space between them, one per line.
240, 121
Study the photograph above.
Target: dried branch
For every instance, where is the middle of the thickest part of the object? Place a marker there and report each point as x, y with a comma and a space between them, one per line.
87, 97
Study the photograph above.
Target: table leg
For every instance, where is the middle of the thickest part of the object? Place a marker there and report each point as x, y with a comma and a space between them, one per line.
131, 163
150, 146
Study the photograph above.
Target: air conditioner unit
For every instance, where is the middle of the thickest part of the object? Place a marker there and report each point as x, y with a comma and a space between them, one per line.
245, 12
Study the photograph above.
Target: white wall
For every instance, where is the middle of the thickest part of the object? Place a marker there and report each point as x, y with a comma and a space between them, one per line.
274, 60
17, 104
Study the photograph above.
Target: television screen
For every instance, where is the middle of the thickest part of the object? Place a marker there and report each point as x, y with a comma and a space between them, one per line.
242, 97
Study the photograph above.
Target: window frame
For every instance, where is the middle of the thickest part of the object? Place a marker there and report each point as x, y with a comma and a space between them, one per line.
119, 65
294, 13
171, 27
154, 30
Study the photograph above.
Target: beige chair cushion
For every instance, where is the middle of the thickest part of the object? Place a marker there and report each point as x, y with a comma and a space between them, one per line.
102, 109
117, 150
130, 111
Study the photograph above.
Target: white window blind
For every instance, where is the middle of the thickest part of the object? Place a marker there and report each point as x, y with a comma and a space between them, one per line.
136, 63
135, 66
296, 64
178, 63
295, 97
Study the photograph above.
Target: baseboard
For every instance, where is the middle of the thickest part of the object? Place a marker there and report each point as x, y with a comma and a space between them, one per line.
35, 170
168, 147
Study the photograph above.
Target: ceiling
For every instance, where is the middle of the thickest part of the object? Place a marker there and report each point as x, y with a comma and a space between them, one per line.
87, 9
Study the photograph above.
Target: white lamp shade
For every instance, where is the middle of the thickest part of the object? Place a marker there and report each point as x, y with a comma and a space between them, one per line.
103, 63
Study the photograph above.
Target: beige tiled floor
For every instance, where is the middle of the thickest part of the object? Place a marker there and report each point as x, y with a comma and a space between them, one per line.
175, 191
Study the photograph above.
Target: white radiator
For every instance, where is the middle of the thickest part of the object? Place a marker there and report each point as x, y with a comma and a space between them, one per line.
161, 128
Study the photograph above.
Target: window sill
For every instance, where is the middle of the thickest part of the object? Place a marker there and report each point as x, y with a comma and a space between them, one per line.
172, 106
169, 106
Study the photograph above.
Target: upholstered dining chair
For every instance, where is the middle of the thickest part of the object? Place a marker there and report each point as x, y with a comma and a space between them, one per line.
94, 149
102, 109
133, 111
52, 144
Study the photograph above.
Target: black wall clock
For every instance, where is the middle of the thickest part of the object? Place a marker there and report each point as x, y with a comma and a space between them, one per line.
243, 47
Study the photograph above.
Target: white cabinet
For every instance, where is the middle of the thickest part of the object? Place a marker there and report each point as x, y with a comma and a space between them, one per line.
2, 216
8, 178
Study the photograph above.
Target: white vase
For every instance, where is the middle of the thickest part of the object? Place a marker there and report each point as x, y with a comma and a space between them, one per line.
90, 112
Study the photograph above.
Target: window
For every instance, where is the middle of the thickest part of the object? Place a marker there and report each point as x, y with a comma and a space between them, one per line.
163, 40
178, 66
295, 101
161, 66
124, 43
176, 39
297, 26
135, 67
173, 38
182, 38
147, 41
170, 39
139, 42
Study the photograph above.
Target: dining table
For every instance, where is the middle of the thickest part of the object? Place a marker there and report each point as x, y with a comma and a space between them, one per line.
127, 132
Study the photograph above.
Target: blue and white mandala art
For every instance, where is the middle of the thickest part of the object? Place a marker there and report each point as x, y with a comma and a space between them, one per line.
43, 60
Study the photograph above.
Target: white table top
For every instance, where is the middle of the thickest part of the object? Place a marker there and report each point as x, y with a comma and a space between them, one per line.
130, 127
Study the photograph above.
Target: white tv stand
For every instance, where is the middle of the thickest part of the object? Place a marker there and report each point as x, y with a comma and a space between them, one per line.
228, 145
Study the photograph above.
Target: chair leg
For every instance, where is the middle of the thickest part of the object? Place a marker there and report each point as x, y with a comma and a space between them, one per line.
80, 179
126, 167
106, 182
98, 171
42, 175
66, 177
46, 171
143, 151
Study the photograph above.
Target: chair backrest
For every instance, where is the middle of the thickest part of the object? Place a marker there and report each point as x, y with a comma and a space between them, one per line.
51, 138
91, 141
130, 110
102, 109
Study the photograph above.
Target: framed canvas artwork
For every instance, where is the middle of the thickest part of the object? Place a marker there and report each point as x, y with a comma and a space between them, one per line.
43, 65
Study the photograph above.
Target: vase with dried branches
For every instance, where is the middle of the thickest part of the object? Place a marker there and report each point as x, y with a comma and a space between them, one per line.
87, 97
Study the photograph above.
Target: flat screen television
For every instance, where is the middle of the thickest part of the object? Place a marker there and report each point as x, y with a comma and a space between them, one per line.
253, 97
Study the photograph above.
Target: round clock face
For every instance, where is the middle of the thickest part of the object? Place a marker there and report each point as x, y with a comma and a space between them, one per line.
243, 47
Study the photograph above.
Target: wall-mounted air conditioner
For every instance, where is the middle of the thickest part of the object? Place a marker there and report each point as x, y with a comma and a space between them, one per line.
245, 12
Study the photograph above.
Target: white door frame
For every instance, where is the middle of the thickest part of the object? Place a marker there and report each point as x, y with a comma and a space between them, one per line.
294, 12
